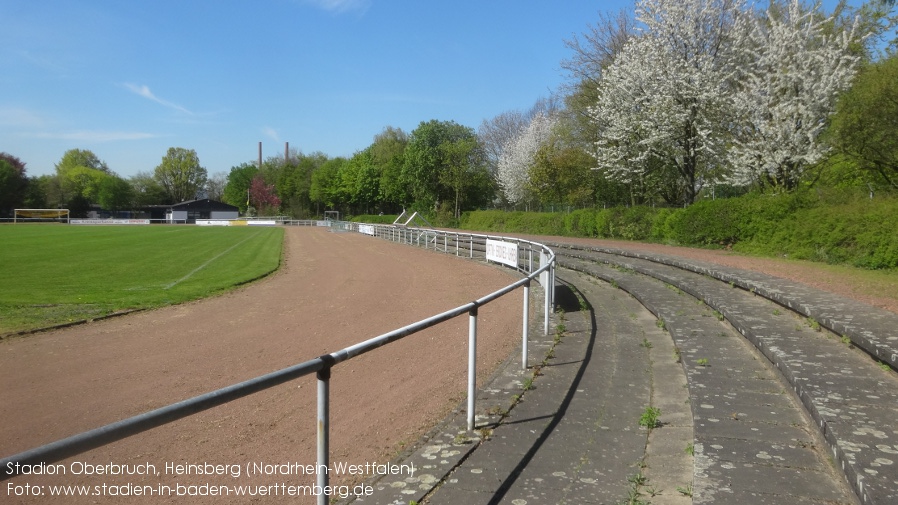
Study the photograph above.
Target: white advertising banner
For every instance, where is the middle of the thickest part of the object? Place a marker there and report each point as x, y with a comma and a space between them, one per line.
367, 229
502, 252
212, 222
109, 221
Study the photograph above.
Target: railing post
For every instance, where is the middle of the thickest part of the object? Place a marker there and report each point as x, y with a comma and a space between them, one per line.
472, 246
472, 365
526, 330
552, 284
323, 466
546, 291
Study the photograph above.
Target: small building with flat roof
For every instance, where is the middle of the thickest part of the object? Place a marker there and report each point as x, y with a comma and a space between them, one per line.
190, 211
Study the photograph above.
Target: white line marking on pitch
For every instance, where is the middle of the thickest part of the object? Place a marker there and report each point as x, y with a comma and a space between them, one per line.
204, 265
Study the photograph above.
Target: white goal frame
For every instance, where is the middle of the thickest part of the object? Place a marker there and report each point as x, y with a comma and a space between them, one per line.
41, 214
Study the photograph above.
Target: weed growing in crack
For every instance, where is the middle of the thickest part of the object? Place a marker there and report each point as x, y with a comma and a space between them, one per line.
634, 493
814, 325
649, 418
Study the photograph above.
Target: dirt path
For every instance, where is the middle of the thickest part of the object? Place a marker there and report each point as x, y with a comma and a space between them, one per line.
333, 290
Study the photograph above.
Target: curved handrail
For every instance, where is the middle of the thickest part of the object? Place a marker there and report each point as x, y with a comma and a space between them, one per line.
82, 442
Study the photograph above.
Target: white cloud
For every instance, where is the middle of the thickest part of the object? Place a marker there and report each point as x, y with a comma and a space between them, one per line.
97, 136
271, 132
21, 118
144, 91
340, 6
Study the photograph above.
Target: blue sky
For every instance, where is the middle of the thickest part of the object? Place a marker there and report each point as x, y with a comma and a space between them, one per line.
129, 79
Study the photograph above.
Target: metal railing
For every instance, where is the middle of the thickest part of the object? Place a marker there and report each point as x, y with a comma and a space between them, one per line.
460, 244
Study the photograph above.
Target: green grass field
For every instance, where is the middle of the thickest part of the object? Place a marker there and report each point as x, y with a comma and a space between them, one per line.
54, 274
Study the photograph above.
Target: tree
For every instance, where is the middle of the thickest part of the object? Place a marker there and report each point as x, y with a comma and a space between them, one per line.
360, 182
425, 162
13, 183
79, 173
793, 70
181, 174
865, 125
263, 196
663, 101
465, 166
37, 193
215, 186
325, 184
115, 194
83, 182
80, 158
561, 172
236, 191
494, 134
294, 181
598, 48
388, 155
145, 190
518, 156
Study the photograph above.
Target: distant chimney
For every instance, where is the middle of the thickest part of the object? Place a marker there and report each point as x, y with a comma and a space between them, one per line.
260, 155
286, 152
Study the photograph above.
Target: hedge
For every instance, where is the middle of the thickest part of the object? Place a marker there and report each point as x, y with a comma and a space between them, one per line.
836, 227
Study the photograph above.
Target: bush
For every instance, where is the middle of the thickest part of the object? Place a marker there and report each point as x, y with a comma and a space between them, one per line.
374, 218
833, 226
861, 234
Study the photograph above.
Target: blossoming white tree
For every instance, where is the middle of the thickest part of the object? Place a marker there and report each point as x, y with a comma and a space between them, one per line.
663, 103
518, 156
794, 69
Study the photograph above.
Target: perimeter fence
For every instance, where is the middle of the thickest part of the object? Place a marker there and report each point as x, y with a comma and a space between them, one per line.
535, 261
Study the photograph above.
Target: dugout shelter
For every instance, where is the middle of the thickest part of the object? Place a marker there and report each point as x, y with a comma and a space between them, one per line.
190, 211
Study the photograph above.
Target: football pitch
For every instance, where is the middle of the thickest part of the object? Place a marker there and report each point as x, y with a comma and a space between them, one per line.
55, 274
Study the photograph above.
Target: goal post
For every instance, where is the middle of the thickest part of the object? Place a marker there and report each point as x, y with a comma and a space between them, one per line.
332, 218
61, 215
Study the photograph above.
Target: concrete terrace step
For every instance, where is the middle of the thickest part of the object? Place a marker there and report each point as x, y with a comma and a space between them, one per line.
574, 435
785, 415
753, 443
873, 329
853, 402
